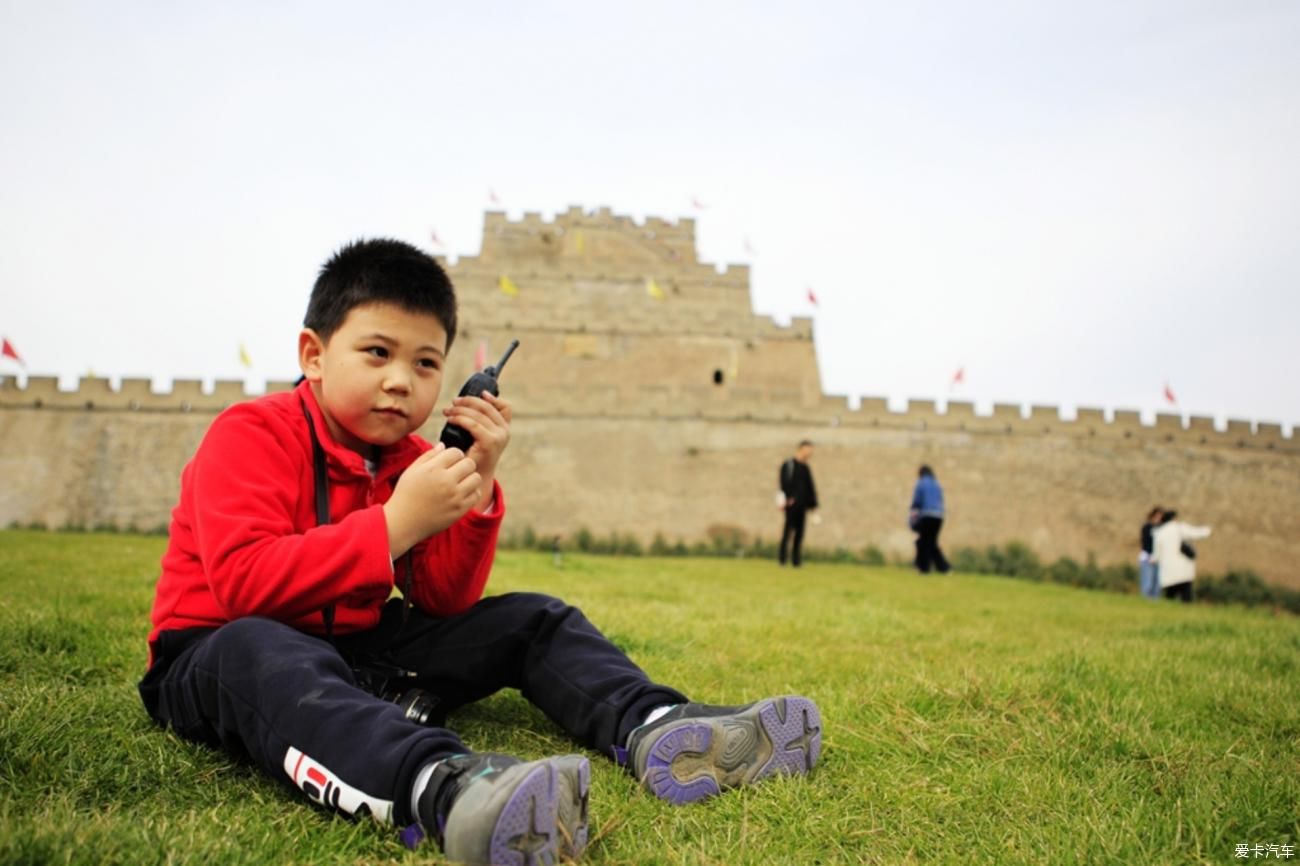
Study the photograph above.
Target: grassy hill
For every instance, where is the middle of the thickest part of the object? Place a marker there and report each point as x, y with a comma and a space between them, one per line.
968, 720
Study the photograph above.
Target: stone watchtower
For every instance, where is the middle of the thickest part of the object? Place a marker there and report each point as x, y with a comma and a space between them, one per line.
635, 362
621, 318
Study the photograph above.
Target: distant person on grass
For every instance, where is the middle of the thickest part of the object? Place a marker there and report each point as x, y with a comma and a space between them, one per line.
800, 495
1174, 555
303, 512
926, 520
1148, 572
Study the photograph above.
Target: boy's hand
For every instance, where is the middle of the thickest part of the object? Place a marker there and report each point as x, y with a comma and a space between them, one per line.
433, 493
487, 419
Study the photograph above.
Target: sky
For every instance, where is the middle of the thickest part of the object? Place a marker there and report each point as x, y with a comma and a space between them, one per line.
1073, 204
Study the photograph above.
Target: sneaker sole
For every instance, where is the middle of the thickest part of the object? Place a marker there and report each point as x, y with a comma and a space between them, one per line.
535, 814
692, 759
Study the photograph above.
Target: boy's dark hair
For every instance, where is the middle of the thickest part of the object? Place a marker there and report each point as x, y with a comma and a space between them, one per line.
925, 470
803, 442
1154, 511
375, 271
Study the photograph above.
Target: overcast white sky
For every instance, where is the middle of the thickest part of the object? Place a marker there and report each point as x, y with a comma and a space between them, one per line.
1073, 202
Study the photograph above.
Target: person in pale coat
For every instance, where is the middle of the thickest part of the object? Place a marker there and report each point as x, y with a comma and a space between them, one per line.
1169, 551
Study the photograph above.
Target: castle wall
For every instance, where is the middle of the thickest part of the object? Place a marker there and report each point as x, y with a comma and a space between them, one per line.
644, 415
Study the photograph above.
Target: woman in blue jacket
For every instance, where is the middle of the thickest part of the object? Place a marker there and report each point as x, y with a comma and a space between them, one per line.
926, 520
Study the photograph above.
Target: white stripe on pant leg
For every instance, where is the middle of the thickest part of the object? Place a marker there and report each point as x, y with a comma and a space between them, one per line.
320, 784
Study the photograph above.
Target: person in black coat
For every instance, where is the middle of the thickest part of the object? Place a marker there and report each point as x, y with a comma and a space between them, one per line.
800, 498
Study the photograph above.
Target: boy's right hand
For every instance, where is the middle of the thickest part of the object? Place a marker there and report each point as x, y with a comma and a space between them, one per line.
435, 491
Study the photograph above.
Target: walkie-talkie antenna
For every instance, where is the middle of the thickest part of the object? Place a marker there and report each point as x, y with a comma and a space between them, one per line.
496, 370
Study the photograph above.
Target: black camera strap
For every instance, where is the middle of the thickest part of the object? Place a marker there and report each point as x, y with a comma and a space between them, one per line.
322, 501
321, 473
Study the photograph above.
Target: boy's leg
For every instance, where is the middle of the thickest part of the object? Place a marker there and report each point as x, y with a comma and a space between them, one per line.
546, 649
557, 658
287, 700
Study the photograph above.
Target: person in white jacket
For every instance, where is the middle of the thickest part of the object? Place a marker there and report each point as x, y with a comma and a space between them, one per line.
1169, 552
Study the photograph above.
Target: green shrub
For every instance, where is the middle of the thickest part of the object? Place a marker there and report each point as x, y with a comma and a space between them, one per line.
1242, 586
628, 545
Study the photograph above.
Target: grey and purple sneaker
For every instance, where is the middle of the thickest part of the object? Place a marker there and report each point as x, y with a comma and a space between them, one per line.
496, 810
695, 750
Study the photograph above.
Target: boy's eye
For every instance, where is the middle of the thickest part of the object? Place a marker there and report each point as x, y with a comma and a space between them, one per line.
378, 351
428, 363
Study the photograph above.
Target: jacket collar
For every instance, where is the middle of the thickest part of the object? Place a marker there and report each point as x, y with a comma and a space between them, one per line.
343, 461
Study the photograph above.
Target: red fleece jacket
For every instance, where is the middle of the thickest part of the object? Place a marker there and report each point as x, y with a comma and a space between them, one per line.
244, 539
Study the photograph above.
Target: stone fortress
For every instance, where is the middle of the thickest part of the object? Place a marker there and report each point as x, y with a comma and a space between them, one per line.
650, 399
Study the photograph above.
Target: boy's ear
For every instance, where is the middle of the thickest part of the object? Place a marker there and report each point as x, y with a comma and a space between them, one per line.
310, 349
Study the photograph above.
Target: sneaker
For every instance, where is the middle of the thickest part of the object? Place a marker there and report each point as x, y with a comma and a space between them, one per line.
695, 751
495, 810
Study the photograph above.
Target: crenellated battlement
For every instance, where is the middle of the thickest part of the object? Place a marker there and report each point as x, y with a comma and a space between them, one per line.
96, 393
750, 401
579, 244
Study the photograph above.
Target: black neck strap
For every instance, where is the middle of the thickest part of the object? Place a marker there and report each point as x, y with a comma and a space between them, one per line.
322, 500
323, 518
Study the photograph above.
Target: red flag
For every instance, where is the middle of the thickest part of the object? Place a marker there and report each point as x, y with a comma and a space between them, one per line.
1169, 395
9, 351
812, 298
960, 376
480, 356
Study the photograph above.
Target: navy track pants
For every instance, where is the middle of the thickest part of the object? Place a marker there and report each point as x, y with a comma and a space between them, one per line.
290, 701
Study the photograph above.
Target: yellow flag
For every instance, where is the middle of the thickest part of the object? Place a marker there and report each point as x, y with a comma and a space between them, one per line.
508, 285
579, 241
243, 356
652, 289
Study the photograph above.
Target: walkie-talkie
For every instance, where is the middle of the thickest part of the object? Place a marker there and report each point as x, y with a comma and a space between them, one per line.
484, 380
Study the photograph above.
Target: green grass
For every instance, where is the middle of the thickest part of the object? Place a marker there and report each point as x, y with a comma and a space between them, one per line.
968, 720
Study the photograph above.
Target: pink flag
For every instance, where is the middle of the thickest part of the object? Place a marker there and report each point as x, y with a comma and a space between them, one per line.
433, 236
697, 204
960, 376
812, 298
1169, 395
492, 197
9, 351
480, 356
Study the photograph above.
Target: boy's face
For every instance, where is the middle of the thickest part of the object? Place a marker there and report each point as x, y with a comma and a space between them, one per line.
378, 376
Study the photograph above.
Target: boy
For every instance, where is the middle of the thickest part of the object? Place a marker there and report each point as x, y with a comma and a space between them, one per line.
299, 515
